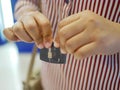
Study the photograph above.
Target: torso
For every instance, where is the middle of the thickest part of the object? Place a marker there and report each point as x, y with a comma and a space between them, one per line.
98, 72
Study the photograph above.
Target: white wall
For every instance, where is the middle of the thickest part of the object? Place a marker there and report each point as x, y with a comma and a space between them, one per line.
7, 12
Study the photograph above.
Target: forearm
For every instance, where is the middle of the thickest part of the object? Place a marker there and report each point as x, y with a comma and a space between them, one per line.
24, 6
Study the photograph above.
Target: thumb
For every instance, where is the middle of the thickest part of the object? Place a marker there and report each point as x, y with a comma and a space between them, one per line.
56, 40
10, 35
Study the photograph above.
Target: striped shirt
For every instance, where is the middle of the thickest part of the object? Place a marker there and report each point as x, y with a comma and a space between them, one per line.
98, 72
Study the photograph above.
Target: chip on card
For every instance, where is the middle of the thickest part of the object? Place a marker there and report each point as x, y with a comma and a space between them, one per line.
52, 55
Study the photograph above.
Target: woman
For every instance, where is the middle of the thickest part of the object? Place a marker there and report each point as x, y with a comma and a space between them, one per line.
88, 31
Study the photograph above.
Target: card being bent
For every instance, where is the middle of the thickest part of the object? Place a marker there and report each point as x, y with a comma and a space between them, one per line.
52, 55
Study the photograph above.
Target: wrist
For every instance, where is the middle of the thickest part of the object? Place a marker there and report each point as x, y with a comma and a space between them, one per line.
24, 9
23, 12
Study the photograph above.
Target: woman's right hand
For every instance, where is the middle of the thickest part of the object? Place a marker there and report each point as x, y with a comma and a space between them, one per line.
31, 27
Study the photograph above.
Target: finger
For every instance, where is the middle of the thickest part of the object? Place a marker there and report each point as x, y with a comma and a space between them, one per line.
86, 51
69, 20
20, 32
32, 29
57, 44
63, 23
10, 35
56, 40
70, 31
45, 26
78, 41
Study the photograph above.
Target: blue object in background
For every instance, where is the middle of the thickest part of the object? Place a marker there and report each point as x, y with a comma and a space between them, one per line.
2, 38
22, 47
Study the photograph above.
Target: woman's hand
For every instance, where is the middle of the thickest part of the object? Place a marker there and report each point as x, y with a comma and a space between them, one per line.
31, 27
86, 33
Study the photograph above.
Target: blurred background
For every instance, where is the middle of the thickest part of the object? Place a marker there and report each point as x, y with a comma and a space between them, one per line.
14, 56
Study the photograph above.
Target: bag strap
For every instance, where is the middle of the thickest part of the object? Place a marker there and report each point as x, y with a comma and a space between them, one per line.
31, 65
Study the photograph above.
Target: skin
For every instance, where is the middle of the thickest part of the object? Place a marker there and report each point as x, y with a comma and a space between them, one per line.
82, 34
86, 33
31, 27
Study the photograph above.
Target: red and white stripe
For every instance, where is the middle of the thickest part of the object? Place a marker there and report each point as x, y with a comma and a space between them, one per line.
98, 72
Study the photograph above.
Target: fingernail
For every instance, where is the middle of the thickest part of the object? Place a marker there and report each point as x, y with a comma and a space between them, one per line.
56, 44
48, 44
62, 51
40, 46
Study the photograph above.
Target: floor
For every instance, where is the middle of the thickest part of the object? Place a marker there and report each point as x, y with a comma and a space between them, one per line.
14, 67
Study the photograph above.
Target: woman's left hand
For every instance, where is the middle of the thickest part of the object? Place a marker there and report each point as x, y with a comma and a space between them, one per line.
86, 33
